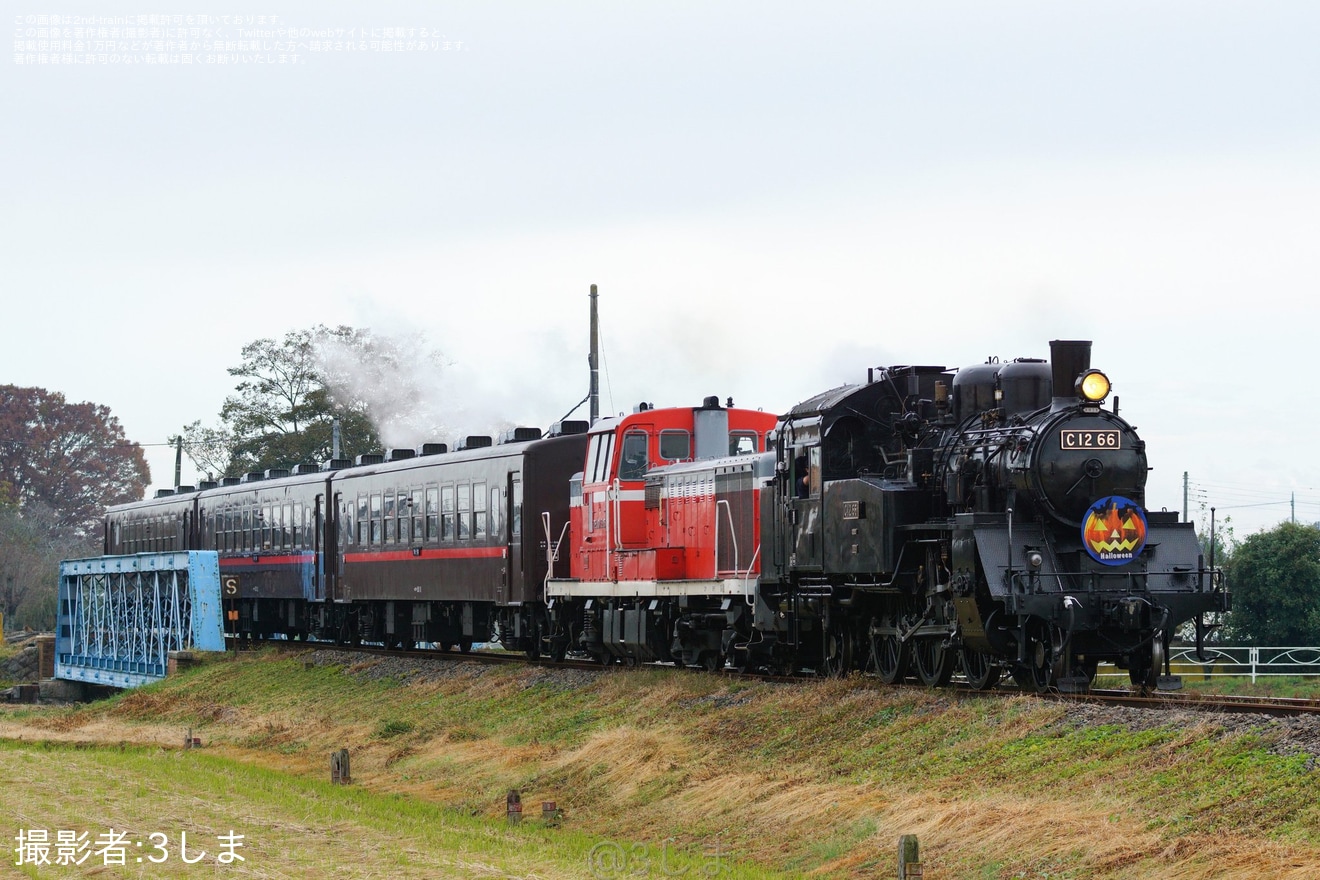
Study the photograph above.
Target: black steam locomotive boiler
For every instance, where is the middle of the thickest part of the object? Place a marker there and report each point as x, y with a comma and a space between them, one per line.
994, 517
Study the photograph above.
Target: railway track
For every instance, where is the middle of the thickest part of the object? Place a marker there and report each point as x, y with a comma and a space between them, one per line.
1159, 701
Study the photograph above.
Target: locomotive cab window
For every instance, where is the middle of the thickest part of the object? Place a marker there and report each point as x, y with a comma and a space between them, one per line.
598, 458
675, 445
742, 442
632, 460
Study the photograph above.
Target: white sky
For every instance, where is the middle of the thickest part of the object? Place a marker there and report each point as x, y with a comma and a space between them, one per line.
772, 197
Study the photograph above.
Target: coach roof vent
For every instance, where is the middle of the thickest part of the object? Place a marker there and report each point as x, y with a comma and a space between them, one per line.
164, 493
306, 468
276, 473
370, 458
474, 441
207, 484
569, 426
435, 448
179, 490
520, 435
230, 481
400, 454
253, 477
336, 464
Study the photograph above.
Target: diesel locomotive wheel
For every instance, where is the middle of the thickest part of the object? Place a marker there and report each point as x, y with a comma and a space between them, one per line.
934, 662
982, 672
889, 655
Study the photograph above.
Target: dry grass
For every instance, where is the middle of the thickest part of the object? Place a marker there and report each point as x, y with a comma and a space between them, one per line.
816, 780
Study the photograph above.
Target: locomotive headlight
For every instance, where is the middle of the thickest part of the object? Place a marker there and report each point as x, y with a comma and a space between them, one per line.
1035, 559
1093, 386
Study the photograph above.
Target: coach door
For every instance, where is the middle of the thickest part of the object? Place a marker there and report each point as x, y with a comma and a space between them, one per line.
513, 560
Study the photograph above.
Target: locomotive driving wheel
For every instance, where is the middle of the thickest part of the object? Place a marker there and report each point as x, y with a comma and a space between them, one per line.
934, 661
889, 655
981, 671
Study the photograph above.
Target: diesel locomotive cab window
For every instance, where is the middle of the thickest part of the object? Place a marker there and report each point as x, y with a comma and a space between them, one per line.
632, 465
598, 458
675, 445
742, 442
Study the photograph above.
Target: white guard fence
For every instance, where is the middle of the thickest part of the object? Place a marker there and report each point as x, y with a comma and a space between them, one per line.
1237, 662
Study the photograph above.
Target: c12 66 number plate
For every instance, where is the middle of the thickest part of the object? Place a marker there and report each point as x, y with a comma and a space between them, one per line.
1089, 438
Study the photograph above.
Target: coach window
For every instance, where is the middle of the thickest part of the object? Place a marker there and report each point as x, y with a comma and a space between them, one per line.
390, 512
447, 513
479, 524
418, 516
675, 445
742, 442
432, 513
405, 518
632, 462
516, 526
363, 520
291, 530
375, 519
496, 513
464, 511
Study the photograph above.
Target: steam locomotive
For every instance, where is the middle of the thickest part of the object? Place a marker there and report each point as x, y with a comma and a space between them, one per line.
991, 519
926, 522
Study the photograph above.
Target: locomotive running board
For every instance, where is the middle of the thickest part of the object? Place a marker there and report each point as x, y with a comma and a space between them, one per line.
573, 589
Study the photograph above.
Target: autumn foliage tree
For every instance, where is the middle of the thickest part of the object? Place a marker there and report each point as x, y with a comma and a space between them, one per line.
70, 459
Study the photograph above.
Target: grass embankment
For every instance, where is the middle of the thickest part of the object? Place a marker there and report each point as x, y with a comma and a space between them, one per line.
816, 779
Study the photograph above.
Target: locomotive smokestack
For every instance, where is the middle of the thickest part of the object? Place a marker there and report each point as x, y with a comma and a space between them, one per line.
1069, 358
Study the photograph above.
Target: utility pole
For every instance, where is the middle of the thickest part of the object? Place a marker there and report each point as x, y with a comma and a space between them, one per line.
1292, 504
1185, 519
178, 461
594, 359
334, 442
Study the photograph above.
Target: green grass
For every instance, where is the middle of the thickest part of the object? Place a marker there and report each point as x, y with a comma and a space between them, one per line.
291, 826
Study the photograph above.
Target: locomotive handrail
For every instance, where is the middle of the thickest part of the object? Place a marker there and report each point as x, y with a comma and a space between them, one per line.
551, 547
729, 511
748, 596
